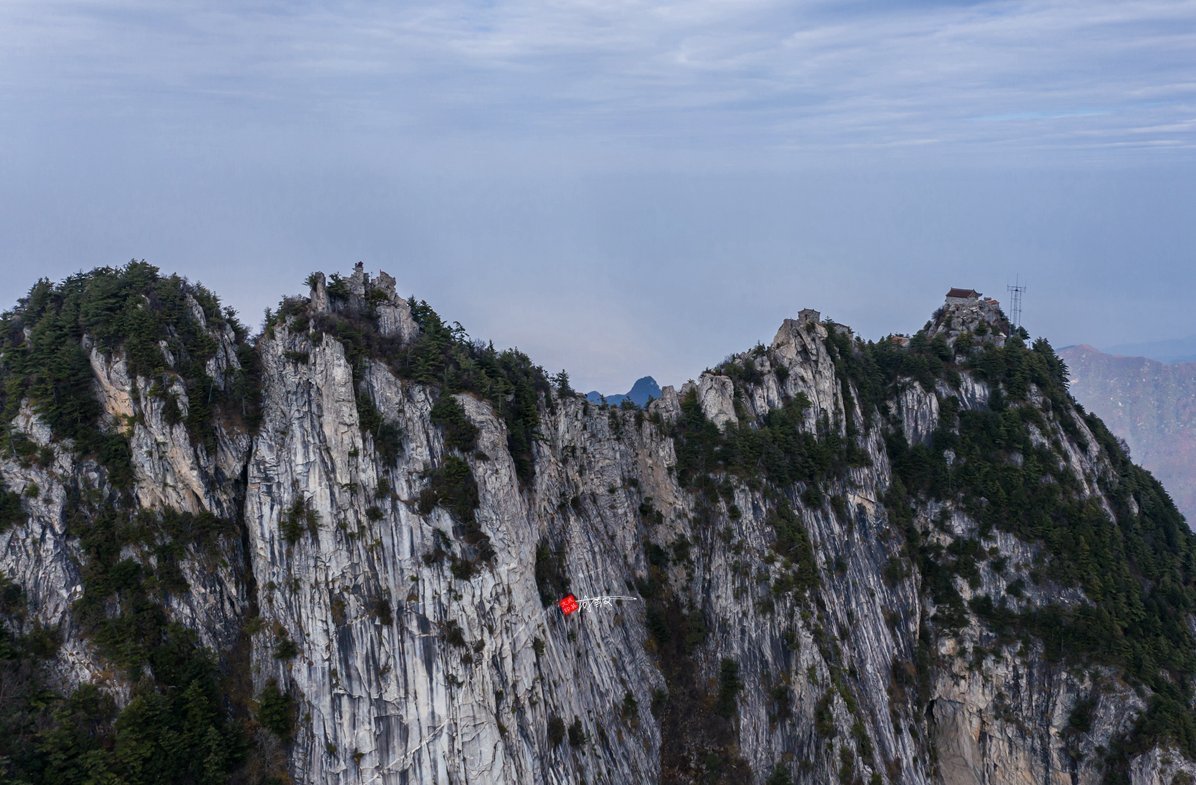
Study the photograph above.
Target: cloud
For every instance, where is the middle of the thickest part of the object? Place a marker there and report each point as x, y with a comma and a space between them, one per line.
714, 75
619, 187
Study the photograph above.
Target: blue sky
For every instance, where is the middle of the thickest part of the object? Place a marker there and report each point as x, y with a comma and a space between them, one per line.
618, 187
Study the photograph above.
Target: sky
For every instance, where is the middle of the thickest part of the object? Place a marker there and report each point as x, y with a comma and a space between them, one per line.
618, 188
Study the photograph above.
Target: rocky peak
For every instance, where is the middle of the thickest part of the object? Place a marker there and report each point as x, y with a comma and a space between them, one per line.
839, 560
970, 313
362, 297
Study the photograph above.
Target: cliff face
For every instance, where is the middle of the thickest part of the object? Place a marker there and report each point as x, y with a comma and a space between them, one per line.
831, 563
63, 495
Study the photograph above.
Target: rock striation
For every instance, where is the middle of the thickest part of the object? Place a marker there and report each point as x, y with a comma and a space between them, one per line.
817, 594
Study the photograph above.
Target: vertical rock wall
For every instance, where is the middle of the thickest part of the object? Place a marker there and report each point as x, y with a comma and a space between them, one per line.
409, 668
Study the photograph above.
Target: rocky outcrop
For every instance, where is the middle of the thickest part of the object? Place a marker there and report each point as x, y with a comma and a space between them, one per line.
359, 295
40, 556
413, 659
172, 470
980, 318
398, 701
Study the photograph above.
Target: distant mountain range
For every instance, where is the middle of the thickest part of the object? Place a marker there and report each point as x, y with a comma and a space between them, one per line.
1172, 350
644, 390
1150, 404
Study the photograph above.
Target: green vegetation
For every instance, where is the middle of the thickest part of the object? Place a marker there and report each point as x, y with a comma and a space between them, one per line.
556, 730
138, 634
276, 711
775, 450
387, 435
561, 381
358, 335
285, 648
703, 742
451, 486
11, 512
779, 776
26, 703
793, 542
298, 520
454, 635
443, 356
129, 309
172, 736
1137, 569
381, 610
630, 707
174, 730
338, 287
824, 716
1002, 463
778, 456
179, 724
551, 580
577, 734
781, 698
459, 432
1080, 719
729, 685
176, 727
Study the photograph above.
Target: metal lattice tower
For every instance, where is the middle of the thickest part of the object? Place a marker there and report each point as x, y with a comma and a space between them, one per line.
1016, 290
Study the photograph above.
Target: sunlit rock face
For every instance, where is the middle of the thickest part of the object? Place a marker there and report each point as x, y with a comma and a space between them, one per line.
770, 631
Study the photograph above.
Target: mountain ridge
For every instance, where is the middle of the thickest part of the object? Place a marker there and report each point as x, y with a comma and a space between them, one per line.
644, 391
330, 555
1168, 350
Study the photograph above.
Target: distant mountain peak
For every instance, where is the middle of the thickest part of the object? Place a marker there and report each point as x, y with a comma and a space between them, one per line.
644, 390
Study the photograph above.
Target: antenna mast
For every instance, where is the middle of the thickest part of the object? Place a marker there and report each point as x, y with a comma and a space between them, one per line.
1016, 290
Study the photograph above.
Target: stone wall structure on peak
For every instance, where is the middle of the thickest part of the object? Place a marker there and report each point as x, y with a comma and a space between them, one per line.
966, 311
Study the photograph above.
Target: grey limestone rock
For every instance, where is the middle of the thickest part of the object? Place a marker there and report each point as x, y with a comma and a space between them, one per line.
410, 671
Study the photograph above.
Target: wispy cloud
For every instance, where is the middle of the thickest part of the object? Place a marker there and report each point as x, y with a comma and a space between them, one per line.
1026, 76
